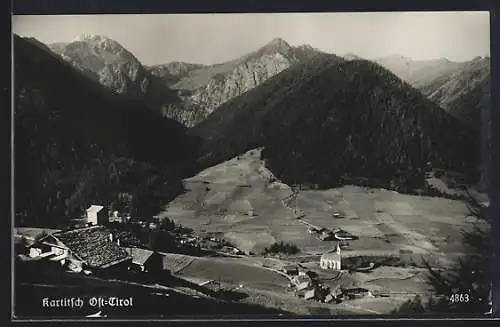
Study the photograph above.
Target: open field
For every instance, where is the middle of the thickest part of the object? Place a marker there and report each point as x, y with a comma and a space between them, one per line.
230, 271
219, 200
240, 200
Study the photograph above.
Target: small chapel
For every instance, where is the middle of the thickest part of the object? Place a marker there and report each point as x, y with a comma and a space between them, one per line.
331, 260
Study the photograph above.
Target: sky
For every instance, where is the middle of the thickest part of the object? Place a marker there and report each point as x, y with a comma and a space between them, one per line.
215, 38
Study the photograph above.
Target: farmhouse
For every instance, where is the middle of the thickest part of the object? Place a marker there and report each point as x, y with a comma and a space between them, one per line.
308, 273
290, 270
301, 282
310, 294
303, 286
329, 298
89, 248
145, 260
326, 235
96, 215
331, 260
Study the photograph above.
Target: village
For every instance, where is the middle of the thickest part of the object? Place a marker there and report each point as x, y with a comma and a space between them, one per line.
264, 243
91, 247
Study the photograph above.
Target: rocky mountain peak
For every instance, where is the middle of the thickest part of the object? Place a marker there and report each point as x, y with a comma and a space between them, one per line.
277, 45
278, 42
94, 38
112, 65
102, 43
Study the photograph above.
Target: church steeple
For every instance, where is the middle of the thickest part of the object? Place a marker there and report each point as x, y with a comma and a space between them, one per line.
338, 248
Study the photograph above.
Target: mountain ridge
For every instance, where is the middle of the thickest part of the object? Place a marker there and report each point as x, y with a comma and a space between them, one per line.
203, 90
112, 65
301, 147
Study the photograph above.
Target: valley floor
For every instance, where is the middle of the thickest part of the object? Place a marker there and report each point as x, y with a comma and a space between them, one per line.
241, 201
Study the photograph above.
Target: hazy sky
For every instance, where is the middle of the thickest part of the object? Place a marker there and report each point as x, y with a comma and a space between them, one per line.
214, 38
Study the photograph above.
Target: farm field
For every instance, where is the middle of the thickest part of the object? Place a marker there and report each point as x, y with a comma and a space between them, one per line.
219, 200
230, 271
241, 201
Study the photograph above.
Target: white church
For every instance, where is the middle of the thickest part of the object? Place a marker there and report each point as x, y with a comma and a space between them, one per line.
331, 260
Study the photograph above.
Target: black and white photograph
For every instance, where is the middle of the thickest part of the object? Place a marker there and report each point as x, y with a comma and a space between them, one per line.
171, 166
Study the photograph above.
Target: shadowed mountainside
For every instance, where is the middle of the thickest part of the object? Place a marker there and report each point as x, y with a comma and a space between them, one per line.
465, 93
77, 141
328, 118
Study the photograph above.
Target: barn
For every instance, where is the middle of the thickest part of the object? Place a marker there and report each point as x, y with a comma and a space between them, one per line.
145, 260
90, 248
96, 215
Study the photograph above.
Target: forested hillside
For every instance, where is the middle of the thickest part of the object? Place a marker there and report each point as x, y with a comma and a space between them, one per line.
77, 141
329, 118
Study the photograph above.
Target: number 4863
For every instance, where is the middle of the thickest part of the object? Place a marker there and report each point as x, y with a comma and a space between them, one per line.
459, 298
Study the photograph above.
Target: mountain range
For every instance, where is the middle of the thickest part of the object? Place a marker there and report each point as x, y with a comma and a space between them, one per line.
321, 118
189, 92
186, 92
206, 88
108, 62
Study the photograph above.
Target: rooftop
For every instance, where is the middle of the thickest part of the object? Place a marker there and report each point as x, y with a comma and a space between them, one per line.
139, 256
95, 208
32, 232
93, 245
330, 256
301, 279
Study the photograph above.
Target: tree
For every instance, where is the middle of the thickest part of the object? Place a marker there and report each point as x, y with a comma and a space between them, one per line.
466, 288
413, 306
282, 247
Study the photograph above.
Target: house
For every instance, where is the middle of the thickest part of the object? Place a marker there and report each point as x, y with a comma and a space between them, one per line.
344, 236
331, 260
329, 298
290, 270
145, 260
337, 215
117, 217
24, 237
326, 235
96, 215
308, 273
311, 294
91, 248
303, 286
302, 282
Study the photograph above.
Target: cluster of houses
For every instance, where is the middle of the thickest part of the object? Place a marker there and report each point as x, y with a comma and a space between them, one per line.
89, 249
305, 285
325, 234
91, 246
219, 245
